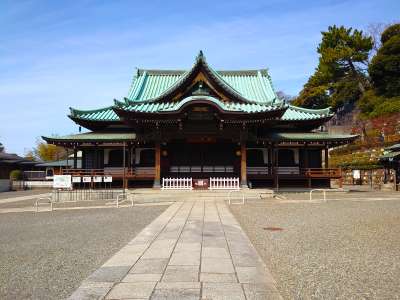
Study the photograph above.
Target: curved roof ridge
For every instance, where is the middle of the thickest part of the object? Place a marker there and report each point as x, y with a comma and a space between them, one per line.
264, 87
200, 61
166, 72
77, 112
326, 110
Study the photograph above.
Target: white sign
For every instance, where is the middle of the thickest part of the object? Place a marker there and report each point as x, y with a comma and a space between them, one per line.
87, 179
76, 179
107, 179
97, 179
62, 181
356, 174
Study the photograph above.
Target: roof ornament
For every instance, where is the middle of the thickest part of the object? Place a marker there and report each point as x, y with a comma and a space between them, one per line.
201, 90
200, 56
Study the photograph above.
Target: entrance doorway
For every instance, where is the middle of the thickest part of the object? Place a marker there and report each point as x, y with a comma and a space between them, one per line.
202, 160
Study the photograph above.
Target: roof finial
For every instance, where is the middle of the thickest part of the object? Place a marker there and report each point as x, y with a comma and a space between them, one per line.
200, 56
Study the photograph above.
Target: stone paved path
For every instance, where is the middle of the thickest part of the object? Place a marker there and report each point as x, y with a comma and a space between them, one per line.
194, 250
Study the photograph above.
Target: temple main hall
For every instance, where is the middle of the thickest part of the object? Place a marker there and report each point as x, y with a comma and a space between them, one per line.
202, 123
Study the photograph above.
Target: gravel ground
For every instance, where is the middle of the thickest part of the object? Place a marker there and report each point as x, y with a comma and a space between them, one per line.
47, 255
43, 205
12, 194
18, 204
333, 250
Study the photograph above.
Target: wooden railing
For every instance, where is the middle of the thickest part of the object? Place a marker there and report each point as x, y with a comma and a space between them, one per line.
322, 172
116, 172
223, 183
98, 172
177, 183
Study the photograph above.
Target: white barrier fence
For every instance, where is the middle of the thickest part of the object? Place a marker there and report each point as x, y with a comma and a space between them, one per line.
177, 184
223, 183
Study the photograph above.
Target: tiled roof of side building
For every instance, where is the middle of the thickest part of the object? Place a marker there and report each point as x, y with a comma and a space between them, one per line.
294, 113
101, 114
93, 136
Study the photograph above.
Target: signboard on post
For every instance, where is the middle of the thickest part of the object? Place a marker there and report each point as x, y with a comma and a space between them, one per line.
62, 182
87, 179
107, 178
76, 179
356, 174
97, 179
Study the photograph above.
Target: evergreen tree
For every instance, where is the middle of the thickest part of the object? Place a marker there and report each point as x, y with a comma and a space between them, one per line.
385, 66
341, 73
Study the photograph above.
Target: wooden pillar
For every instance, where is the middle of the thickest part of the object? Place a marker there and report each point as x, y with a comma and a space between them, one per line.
157, 170
276, 165
306, 164
270, 160
67, 166
124, 182
326, 157
75, 158
243, 165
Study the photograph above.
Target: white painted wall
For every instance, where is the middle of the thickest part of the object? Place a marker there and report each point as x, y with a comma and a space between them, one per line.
137, 154
4, 185
264, 151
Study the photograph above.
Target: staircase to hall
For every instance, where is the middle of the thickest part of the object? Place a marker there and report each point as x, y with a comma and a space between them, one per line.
156, 195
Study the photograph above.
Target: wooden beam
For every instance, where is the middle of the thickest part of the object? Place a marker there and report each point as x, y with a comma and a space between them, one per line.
157, 176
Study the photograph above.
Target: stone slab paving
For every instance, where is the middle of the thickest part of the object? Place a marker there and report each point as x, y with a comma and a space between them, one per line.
194, 250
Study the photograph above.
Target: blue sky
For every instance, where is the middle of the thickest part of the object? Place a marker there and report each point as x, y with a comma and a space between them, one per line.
57, 54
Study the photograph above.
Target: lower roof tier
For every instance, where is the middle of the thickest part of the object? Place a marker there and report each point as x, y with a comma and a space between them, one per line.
273, 137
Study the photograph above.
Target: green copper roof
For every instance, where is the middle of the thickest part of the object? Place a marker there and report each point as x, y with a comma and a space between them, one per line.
152, 91
294, 113
389, 155
309, 136
250, 85
158, 107
101, 114
93, 137
393, 147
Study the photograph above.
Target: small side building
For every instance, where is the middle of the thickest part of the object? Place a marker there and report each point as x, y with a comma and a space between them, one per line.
391, 161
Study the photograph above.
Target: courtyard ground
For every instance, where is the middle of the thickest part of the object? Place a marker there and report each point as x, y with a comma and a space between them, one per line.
348, 248
47, 255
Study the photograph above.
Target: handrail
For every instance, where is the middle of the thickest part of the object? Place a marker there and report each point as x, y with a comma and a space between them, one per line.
318, 190
322, 172
230, 193
48, 200
124, 198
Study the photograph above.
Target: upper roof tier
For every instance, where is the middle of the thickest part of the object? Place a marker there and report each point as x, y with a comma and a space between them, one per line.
161, 92
253, 85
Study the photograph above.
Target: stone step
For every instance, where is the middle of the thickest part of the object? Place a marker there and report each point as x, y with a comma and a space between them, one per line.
182, 195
